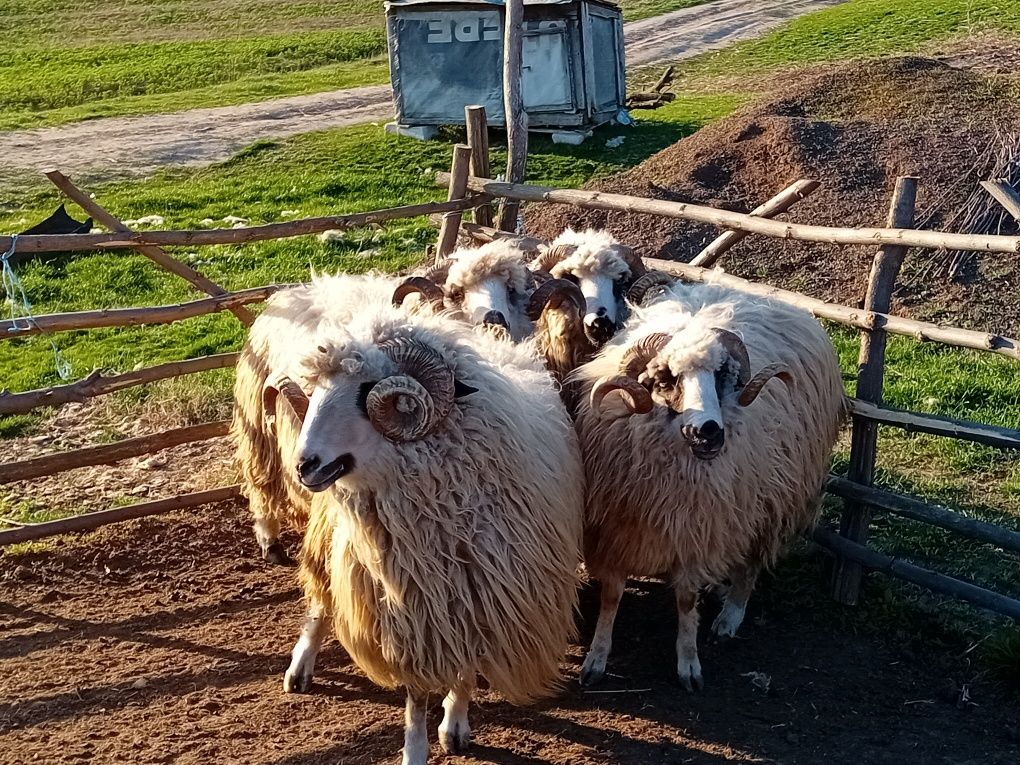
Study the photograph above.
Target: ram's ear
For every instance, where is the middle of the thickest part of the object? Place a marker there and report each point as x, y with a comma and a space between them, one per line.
461, 389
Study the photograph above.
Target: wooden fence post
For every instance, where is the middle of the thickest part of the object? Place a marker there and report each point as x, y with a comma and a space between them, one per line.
478, 139
513, 109
459, 171
870, 374
153, 253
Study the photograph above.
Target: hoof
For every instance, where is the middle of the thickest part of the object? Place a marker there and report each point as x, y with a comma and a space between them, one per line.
455, 740
276, 554
690, 677
592, 671
727, 622
297, 683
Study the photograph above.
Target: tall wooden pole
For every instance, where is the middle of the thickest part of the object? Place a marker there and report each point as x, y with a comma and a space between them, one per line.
478, 139
459, 171
513, 108
870, 374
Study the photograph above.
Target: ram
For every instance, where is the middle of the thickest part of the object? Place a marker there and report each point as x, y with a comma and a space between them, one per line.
444, 536
697, 465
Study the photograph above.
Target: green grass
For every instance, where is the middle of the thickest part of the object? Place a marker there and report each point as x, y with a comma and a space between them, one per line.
860, 28
128, 57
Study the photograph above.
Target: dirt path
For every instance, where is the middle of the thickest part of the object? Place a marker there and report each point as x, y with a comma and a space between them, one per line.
122, 146
164, 641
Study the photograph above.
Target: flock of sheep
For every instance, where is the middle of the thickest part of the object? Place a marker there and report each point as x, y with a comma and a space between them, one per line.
455, 444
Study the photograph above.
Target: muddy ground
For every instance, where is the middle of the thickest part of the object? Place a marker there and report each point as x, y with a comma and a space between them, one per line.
164, 641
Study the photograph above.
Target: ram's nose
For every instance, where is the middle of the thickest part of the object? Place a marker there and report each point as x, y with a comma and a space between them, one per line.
599, 327
706, 440
495, 319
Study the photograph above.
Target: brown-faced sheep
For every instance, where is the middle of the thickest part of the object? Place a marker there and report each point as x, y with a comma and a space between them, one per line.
695, 466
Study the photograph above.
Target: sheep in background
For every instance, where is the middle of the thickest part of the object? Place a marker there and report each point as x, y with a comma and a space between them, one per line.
696, 466
445, 529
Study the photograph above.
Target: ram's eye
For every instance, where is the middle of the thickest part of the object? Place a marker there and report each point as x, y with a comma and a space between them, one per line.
662, 386
363, 391
456, 294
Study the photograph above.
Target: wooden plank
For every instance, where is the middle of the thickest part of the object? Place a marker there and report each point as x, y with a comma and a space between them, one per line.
513, 107
1005, 195
129, 317
912, 422
918, 510
90, 521
459, 171
107, 454
856, 517
599, 200
780, 203
940, 583
97, 385
202, 237
920, 331
155, 254
478, 139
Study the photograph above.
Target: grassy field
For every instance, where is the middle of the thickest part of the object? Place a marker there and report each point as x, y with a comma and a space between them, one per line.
127, 57
360, 168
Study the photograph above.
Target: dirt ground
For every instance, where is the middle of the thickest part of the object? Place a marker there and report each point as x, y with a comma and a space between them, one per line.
165, 640
126, 146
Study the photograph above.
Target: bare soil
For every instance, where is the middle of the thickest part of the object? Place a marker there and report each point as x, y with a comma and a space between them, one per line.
165, 640
855, 127
127, 146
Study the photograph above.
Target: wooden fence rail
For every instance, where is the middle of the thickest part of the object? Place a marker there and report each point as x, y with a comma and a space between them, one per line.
201, 237
887, 564
51, 464
90, 521
128, 317
962, 430
97, 385
597, 200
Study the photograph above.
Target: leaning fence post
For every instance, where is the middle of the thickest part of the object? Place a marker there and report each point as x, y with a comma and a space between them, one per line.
459, 171
478, 140
870, 374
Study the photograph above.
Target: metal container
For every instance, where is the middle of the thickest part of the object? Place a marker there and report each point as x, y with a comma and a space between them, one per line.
447, 54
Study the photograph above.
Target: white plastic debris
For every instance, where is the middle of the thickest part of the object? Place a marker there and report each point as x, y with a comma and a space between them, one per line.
232, 219
614, 143
331, 235
288, 213
146, 220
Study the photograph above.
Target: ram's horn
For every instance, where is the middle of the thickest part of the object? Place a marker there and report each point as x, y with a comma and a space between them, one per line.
551, 294
410, 404
755, 384
550, 256
738, 352
643, 351
632, 259
291, 392
645, 283
427, 288
635, 395
438, 274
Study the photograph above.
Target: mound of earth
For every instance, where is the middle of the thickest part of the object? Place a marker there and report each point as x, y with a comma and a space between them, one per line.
855, 127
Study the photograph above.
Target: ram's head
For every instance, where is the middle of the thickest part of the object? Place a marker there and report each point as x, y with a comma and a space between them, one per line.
603, 270
690, 379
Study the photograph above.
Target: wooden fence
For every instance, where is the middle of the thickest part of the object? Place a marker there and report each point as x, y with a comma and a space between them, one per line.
467, 190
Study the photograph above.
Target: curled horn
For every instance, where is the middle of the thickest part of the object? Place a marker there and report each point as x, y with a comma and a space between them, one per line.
551, 294
738, 352
550, 256
643, 351
646, 283
756, 383
410, 404
438, 274
291, 392
632, 259
635, 395
427, 288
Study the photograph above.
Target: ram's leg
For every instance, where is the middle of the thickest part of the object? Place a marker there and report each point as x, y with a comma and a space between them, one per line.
731, 616
594, 666
454, 731
267, 533
298, 678
688, 667
416, 737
